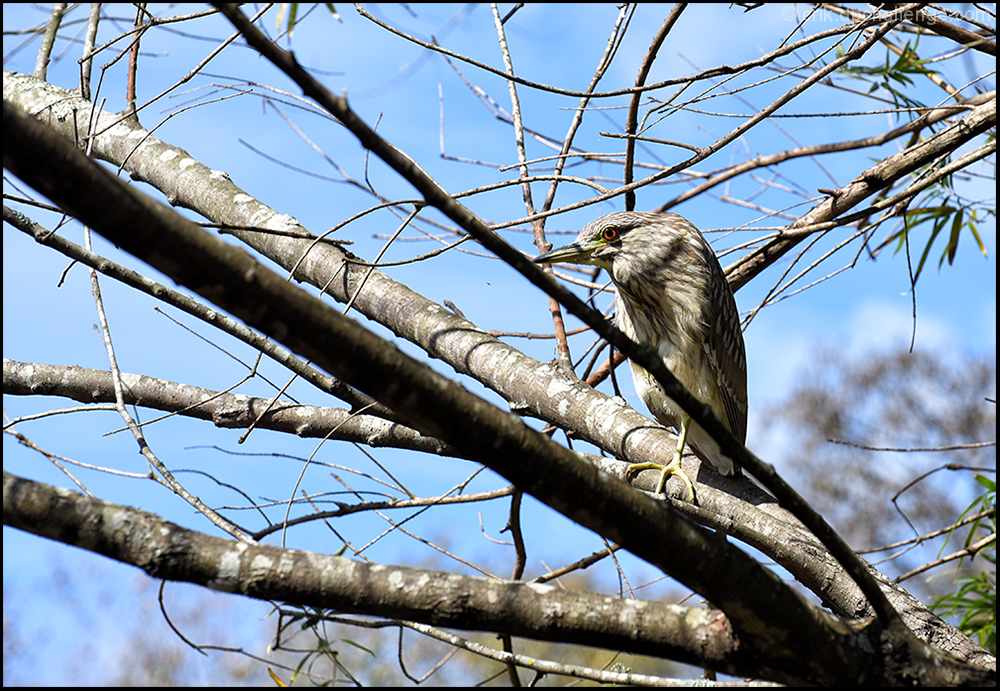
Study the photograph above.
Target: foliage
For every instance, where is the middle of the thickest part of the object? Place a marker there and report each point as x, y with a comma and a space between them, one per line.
940, 207
974, 600
894, 75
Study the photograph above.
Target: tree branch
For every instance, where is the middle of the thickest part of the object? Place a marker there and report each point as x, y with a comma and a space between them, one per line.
165, 550
224, 410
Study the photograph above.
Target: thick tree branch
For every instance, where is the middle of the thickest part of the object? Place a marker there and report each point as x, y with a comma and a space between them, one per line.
168, 551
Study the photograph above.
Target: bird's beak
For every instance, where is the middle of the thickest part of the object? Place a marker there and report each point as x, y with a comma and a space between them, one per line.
573, 253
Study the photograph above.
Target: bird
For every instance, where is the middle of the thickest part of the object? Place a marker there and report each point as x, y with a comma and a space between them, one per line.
672, 297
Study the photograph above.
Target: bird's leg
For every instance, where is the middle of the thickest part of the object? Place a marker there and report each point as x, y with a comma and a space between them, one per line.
672, 468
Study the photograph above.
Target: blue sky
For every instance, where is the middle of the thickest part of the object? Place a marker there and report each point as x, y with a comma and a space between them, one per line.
864, 309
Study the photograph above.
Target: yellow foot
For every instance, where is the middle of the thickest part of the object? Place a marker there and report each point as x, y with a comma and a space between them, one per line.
672, 468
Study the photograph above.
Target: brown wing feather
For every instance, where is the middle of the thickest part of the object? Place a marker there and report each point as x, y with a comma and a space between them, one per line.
726, 351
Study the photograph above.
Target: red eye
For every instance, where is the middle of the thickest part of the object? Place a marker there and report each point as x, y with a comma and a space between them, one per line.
610, 234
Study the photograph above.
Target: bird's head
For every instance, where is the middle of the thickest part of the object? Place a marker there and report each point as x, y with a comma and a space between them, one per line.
635, 246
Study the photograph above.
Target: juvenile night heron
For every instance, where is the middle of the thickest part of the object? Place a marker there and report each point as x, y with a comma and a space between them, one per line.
672, 297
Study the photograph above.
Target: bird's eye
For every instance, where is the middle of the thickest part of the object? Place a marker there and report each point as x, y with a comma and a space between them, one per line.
609, 234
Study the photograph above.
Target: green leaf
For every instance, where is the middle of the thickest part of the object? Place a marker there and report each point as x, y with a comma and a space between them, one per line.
975, 597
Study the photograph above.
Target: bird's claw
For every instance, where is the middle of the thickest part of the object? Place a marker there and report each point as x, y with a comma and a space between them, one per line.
672, 468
